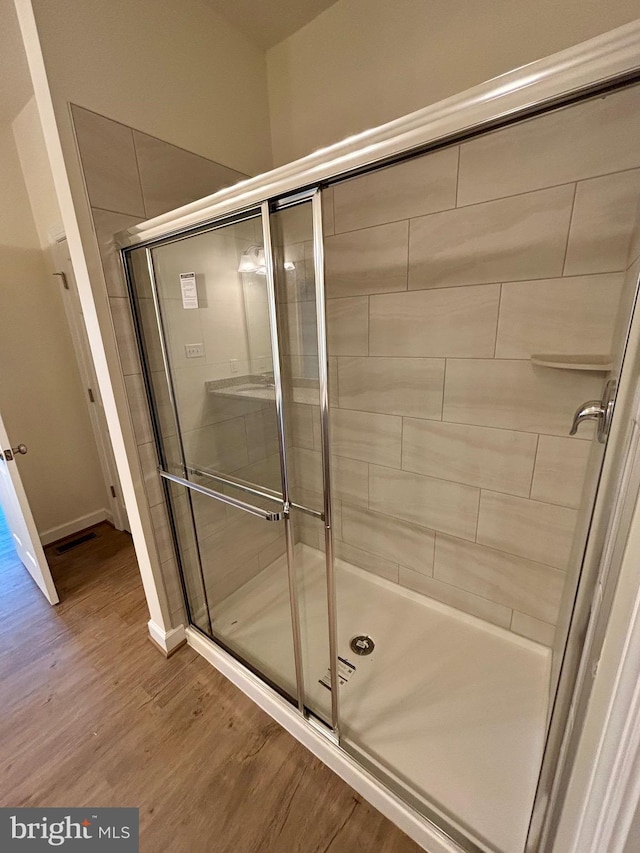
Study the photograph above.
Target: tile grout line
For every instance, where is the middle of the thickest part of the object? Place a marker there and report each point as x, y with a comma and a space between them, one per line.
495, 342
408, 253
463, 284
566, 245
486, 200
533, 470
135, 154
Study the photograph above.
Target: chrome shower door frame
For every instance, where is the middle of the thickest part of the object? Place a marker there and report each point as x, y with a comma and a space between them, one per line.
285, 503
598, 65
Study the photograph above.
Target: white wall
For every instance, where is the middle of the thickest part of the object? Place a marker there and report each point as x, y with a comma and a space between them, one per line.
365, 62
36, 172
171, 69
175, 70
40, 392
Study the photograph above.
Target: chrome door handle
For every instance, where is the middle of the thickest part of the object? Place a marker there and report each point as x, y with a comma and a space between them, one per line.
598, 410
10, 452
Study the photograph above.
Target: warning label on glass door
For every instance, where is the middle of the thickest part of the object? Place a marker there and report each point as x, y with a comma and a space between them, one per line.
345, 671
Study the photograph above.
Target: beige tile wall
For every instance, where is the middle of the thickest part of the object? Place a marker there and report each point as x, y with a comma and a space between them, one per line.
454, 473
452, 470
130, 177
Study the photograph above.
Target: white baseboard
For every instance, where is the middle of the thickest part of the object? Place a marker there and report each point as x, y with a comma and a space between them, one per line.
167, 641
428, 836
71, 527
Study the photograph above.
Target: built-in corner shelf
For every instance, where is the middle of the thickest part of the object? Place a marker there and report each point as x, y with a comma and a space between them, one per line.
596, 363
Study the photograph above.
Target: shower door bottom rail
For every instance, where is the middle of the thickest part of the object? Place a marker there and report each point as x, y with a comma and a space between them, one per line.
265, 514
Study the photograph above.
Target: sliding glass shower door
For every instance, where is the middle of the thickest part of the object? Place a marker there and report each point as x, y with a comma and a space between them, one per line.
231, 338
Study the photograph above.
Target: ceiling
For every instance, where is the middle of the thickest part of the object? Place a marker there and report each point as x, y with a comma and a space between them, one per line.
15, 82
267, 22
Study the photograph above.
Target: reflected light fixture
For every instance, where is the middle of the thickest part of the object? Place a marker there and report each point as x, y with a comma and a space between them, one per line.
252, 260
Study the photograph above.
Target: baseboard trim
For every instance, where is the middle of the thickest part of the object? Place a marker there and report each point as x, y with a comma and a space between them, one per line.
167, 642
428, 836
75, 526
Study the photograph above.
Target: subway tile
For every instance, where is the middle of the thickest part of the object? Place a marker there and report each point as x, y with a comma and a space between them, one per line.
262, 433
173, 587
150, 334
415, 187
125, 335
328, 223
373, 260
162, 533
308, 469
230, 558
561, 315
516, 395
333, 377
497, 459
350, 480
265, 472
299, 331
395, 386
605, 212
389, 537
220, 447
293, 225
561, 466
171, 176
538, 531
506, 240
138, 408
436, 504
581, 141
474, 605
149, 468
106, 225
533, 629
365, 560
300, 425
270, 553
348, 326
109, 163
449, 322
512, 581
305, 530
367, 437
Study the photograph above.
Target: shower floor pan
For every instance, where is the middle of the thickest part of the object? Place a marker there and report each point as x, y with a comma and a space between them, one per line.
451, 705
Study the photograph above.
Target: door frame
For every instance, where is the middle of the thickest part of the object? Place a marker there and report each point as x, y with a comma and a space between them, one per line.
93, 398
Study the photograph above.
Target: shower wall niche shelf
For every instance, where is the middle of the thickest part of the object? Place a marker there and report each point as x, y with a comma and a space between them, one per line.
594, 363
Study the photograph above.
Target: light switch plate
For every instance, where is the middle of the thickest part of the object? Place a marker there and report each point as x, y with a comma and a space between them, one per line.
194, 350
233, 365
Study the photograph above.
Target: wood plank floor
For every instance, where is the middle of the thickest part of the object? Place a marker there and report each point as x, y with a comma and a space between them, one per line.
92, 715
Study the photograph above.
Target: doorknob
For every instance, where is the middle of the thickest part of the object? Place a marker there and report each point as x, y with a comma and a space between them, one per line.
10, 452
599, 410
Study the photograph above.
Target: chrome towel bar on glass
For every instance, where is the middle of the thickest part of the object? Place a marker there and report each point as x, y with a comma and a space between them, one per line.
266, 514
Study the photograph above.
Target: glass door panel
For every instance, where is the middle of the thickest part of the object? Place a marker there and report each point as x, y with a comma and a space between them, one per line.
292, 237
212, 294
202, 305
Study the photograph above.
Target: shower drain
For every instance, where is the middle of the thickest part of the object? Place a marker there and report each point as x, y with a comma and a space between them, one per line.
362, 645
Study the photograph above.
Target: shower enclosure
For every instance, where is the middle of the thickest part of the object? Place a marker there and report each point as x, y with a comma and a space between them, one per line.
381, 403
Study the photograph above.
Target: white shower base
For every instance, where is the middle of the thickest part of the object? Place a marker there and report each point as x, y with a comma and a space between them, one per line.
453, 706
